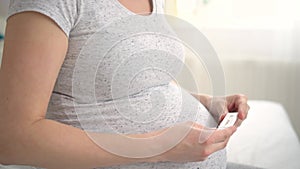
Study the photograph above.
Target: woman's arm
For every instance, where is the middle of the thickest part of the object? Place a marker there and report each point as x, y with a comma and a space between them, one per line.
34, 51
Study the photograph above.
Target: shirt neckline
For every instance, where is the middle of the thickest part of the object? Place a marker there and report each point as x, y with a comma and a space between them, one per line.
154, 8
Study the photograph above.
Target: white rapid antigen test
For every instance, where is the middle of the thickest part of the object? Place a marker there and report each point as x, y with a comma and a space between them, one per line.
228, 120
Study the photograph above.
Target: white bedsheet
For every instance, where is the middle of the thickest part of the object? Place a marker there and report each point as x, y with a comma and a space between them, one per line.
266, 139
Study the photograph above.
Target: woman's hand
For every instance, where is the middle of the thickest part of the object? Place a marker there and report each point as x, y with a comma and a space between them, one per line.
220, 106
183, 142
238, 103
198, 144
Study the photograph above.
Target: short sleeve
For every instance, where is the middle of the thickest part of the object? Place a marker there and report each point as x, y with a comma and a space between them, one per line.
63, 12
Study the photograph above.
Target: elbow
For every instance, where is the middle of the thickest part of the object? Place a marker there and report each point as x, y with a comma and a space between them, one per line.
10, 145
15, 141
4, 157
5, 152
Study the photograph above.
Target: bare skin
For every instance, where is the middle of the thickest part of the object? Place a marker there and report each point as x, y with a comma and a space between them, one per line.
34, 50
142, 7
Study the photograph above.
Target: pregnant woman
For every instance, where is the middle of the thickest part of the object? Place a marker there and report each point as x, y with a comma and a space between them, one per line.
48, 119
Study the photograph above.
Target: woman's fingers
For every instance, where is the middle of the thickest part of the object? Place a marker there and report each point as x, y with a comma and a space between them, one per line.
238, 103
213, 135
199, 143
241, 106
205, 134
243, 110
218, 146
217, 141
220, 136
222, 117
238, 122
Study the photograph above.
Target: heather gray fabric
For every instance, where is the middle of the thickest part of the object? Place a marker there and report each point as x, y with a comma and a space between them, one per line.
72, 102
240, 166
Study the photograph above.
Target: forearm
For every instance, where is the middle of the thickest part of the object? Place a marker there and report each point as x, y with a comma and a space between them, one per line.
50, 144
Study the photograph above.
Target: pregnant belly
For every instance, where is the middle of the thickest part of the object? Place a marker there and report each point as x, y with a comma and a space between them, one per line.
153, 109
156, 108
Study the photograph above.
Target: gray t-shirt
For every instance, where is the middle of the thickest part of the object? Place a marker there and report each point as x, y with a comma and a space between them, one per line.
115, 77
